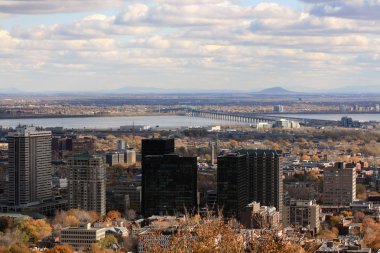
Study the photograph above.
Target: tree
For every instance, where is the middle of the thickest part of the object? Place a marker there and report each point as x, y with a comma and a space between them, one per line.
5, 223
361, 191
108, 241
60, 249
35, 229
346, 213
19, 248
371, 233
305, 158
84, 216
333, 220
212, 234
359, 217
11, 237
96, 248
63, 219
315, 158
113, 215
326, 234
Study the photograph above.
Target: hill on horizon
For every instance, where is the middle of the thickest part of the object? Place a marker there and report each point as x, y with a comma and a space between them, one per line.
275, 90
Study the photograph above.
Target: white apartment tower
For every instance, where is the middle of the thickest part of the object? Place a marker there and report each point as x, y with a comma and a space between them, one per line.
29, 166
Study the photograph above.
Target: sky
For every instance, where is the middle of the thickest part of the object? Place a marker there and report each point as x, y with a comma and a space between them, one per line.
88, 45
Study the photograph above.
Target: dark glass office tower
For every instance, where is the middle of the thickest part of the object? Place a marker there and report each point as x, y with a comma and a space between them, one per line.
169, 185
154, 146
157, 146
265, 177
232, 184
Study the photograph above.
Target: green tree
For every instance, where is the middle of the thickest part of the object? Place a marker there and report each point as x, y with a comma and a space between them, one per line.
108, 241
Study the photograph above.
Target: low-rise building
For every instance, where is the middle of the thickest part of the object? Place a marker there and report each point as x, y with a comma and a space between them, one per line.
257, 216
114, 158
342, 247
303, 213
81, 238
130, 157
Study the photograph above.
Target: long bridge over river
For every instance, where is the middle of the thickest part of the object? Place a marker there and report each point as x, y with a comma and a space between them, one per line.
249, 118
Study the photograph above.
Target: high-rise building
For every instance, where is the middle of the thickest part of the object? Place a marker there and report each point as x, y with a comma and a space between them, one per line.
339, 185
157, 146
124, 197
169, 184
29, 166
87, 183
265, 177
303, 213
154, 146
232, 184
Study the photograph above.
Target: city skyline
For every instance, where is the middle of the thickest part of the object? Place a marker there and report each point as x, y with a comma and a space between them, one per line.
194, 44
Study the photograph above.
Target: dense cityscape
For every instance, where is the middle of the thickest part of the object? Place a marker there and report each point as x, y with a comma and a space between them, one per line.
189, 126
243, 182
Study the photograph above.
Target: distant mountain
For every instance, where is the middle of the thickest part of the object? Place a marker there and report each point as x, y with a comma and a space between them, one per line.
276, 91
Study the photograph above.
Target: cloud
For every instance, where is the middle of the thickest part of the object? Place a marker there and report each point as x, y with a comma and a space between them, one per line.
54, 6
165, 42
353, 9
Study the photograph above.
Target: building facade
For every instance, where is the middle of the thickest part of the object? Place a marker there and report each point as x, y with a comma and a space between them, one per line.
169, 185
82, 237
114, 158
303, 213
339, 185
265, 177
153, 146
87, 183
29, 166
259, 217
157, 146
232, 184
130, 157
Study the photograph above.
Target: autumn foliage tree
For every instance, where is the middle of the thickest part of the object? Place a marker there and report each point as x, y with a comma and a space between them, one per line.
19, 248
215, 235
63, 219
35, 230
60, 249
113, 215
371, 233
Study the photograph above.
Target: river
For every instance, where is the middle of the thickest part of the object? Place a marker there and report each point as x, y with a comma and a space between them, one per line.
115, 122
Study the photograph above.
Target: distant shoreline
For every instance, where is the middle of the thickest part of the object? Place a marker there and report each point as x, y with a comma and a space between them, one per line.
54, 116
4, 117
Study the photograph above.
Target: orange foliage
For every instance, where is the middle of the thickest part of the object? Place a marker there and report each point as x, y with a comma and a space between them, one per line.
113, 215
60, 249
371, 233
214, 235
19, 248
36, 229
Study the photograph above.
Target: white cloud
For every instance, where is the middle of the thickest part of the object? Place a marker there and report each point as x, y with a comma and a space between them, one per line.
167, 42
352, 9
54, 6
